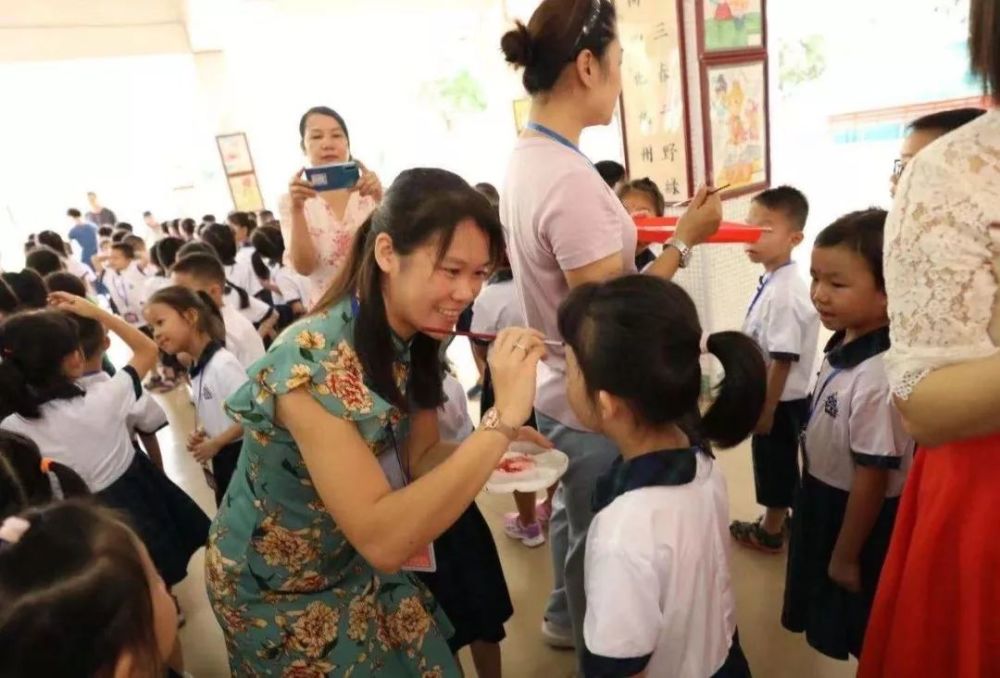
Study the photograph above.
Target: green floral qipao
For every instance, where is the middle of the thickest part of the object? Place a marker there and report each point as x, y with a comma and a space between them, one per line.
294, 598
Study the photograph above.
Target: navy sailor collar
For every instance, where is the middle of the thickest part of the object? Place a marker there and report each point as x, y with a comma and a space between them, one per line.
653, 469
848, 356
210, 350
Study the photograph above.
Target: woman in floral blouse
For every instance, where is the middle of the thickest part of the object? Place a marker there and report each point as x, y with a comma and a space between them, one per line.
319, 227
305, 558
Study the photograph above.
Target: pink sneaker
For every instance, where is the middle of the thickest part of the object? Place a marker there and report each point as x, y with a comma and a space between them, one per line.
529, 535
543, 513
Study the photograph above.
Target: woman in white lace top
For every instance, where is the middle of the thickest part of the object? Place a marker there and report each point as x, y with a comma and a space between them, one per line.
937, 610
319, 227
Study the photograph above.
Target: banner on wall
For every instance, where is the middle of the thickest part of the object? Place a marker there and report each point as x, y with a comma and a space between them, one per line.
241, 176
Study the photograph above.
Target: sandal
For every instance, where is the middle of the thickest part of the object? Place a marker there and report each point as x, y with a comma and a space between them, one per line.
756, 537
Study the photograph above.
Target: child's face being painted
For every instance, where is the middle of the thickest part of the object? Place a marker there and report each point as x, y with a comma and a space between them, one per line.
639, 204
845, 292
774, 247
172, 330
196, 284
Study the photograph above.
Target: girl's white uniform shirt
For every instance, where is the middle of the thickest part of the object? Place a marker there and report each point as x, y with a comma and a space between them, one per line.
145, 417
291, 286
87, 433
215, 377
153, 284
241, 273
256, 310
497, 308
454, 422
242, 339
657, 570
126, 290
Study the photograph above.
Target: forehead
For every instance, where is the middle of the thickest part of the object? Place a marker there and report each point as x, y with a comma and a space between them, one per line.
317, 122
634, 195
759, 214
470, 246
917, 140
838, 259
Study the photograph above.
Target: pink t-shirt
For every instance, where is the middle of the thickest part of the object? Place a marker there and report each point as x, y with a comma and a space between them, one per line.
558, 215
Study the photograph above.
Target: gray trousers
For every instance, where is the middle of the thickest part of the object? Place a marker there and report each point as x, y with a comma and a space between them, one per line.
590, 456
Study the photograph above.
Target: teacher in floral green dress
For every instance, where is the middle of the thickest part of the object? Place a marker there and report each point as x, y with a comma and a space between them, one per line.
306, 558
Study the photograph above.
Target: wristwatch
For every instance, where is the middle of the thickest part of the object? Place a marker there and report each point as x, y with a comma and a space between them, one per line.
491, 422
682, 248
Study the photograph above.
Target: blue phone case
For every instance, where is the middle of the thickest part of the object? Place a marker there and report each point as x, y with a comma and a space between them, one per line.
334, 177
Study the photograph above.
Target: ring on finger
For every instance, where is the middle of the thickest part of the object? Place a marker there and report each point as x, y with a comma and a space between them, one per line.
521, 346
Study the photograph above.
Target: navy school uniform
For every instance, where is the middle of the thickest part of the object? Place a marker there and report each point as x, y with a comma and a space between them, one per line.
853, 423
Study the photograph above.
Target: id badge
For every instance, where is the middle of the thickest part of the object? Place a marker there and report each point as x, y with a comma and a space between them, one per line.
421, 561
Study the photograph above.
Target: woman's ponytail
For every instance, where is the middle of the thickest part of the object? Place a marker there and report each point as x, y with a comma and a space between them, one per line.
740, 397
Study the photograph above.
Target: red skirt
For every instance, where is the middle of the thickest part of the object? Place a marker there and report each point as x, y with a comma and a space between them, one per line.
937, 608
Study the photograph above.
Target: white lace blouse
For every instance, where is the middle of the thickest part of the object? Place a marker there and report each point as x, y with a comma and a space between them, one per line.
942, 255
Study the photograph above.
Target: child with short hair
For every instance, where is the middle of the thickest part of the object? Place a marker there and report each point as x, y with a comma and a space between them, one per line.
81, 597
125, 282
659, 594
782, 320
162, 256
643, 198
204, 273
239, 271
189, 322
857, 453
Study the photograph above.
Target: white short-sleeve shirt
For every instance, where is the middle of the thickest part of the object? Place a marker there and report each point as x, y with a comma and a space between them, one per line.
145, 417
291, 286
215, 377
256, 310
87, 433
242, 339
153, 284
241, 273
782, 320
454, 422
126, 290
854, 422
497, 308
659, 592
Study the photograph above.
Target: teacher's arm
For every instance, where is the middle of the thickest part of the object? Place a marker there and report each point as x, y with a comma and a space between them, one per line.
301, 248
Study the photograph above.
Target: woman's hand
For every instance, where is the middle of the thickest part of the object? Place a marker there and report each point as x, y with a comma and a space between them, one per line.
513, 361
530, 435
300, 190
702, 218
64, 301
368, 185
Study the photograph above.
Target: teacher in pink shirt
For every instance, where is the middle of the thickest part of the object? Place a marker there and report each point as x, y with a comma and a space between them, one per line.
319, 227
566, 227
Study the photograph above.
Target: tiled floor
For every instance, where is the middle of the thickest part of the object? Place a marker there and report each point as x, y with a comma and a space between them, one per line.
759, 583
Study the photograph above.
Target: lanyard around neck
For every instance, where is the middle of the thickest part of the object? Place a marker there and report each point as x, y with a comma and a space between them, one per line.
763, 286
555, 136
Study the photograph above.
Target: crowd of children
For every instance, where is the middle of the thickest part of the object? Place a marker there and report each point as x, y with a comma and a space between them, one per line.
206, 301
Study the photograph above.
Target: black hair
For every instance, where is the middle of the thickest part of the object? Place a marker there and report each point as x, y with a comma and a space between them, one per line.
92, 336
182, 300
33, 346
328, 112
105, 232
862, 232
269, 249
135, 242
612, 172
76, 595
245, 220
638, 338
786, 199
74, 213
64, 281
221, 239
200, 264
124, 226
266, 216
166, 250
124, 248
984, 44
489, 191
557, 33
23, 480
208, 219
147, 213
55, 241
945, 121
9, 302
119, 235
649, 187
29, 287
188, 226
44, 260
422, 206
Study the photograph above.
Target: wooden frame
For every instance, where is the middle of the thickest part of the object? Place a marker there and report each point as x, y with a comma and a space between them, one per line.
703, 48
686, 119
245, 192
234, 151
758, 60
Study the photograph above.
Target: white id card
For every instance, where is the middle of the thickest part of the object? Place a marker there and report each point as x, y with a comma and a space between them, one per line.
423, 560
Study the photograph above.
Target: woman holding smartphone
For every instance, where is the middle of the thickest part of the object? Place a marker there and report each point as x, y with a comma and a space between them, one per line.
319, 227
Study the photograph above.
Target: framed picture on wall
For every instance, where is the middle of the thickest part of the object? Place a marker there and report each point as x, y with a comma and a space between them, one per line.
735, 116
235, 153
246, 193
730, 26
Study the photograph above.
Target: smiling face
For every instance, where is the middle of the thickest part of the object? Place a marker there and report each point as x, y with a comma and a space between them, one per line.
424, 292
845, 292
173, 331
324, 141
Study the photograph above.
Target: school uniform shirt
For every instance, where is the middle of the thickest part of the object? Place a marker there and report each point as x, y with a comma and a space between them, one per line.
87, 433
79, 269
256, 311
153, 284
145, 417
659, 592
782, 320
216, 376
497, 308
291, 286
242, 339
854, 422
454, 422
241, 273
126, 289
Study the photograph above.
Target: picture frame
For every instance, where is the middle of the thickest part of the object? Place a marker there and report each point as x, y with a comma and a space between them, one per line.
245, 192
654, 104
731, 26
736, 119
234, 150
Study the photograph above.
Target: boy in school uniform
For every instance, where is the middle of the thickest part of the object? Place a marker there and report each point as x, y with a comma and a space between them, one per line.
782, 320
125, 283
204, 273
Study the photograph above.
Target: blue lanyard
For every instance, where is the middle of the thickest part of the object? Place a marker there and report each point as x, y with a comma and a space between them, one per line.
818, 394
558, 138
763, 286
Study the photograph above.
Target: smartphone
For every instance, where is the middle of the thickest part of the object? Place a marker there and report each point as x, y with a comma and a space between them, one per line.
334, 177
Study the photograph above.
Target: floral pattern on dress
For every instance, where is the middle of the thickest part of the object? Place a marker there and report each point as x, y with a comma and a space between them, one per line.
293, 596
